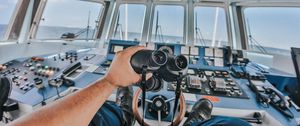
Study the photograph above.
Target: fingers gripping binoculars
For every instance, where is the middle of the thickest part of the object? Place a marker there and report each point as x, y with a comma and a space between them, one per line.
163, 65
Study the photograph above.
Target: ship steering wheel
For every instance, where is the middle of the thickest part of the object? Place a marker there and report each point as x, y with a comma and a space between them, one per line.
177, 120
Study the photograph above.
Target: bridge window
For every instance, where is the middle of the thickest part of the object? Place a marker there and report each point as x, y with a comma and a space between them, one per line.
168, 24
210, 26
7, 8
129, 22
70, 19
272, 30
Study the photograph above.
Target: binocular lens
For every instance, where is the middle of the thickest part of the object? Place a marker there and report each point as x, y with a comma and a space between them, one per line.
181, 62
159, 57
151, 59
154, 84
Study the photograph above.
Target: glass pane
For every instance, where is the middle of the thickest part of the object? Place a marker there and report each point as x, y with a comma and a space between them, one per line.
210, 27
69, 19
168, 24
130, 22
7, 8
273, 29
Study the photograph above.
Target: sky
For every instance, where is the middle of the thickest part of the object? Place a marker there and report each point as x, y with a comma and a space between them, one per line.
272, 27
70, 13
275, 27
6, 9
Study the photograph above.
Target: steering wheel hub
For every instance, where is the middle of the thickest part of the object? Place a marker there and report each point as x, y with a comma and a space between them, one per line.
158, 106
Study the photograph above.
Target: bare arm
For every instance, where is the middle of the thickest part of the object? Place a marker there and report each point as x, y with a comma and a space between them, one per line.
79, 108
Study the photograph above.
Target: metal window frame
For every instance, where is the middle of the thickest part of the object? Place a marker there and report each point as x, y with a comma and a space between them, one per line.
188, 6
225, 6
185, 23
39, 14
240, 8
113, 22
148, 17
11, 22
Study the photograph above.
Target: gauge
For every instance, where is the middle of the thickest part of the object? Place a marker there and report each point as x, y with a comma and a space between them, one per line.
166, 49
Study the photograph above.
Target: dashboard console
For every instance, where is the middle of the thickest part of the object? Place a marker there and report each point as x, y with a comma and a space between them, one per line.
213, 72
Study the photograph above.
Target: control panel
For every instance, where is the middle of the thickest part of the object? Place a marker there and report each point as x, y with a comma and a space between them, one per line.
211, 82
41, 71
217, 72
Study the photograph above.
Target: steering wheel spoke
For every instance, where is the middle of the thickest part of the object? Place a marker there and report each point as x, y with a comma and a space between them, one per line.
159, 102
147, 100
169, 100
159, 117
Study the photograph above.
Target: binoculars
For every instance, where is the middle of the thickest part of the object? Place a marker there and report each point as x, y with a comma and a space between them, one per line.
163, 65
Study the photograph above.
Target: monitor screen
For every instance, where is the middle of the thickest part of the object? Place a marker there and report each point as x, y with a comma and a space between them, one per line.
185, 50
117, 48
114, 48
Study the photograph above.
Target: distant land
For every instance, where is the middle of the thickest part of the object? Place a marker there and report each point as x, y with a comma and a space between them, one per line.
47, 32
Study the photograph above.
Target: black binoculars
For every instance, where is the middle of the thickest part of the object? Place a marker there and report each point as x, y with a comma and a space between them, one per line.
163, 65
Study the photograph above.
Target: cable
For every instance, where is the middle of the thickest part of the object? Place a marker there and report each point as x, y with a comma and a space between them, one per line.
57, 92
41, 91
177, 95
143, 82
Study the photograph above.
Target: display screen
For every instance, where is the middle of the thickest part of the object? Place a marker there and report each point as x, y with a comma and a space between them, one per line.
195, 51
219, 62
185, 50
209, 52
117, 48
219, 53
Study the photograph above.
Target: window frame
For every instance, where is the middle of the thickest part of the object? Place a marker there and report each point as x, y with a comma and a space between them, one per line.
11, 22
115, 16
36, 22
163, 3
149, 14
244, 25
113, 22
241, 21
183, 3
222, 5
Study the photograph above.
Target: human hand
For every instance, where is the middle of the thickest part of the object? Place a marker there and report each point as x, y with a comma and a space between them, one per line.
121, 73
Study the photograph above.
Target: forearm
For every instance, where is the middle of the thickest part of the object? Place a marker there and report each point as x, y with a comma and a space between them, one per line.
77, 109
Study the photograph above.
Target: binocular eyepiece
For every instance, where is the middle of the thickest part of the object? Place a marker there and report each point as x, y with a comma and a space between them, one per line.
154, 84
166, 66
175, 65
152, 60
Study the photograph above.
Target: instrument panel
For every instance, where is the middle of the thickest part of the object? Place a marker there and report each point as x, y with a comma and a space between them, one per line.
211, 72
27, 73
45, 71
205, 81
208, 82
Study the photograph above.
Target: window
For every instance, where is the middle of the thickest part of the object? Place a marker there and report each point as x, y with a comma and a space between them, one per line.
69, 19
272, 29
7, 8
210, 27
168, 24
129, 23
